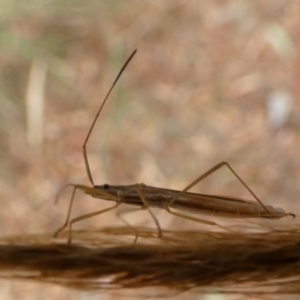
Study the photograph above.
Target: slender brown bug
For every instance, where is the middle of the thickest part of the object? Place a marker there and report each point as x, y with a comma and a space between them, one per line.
148, 196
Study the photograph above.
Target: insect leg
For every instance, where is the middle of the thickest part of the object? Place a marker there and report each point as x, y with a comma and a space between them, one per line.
75, 187
140, 193
87, 190
87, 216
119, 216
212, 170
195, 219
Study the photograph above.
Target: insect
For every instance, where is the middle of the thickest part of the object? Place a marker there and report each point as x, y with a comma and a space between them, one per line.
145, 196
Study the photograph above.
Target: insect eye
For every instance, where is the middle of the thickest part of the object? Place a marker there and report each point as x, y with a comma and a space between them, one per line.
105, 186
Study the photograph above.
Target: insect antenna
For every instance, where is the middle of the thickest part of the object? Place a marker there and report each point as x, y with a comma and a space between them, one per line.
87, 166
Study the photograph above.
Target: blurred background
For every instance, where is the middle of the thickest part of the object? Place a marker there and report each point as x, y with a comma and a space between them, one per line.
212, 81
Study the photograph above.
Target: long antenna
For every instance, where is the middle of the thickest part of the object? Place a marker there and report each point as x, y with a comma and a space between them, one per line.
87, 166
